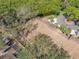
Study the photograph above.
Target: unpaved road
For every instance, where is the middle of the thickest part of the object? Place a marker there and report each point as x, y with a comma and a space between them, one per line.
69, 45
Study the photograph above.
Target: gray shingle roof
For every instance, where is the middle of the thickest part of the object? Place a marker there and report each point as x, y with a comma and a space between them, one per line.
61, 19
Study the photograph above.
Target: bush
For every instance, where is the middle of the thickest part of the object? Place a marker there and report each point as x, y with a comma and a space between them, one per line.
64, 29
1, 41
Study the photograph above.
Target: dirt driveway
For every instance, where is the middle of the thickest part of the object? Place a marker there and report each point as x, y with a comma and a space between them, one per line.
69, 45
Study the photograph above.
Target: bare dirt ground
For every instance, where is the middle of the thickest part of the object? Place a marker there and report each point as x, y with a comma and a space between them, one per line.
70, 46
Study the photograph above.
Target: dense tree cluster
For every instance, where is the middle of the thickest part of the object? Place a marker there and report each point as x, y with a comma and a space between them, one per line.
40, 7
31, 8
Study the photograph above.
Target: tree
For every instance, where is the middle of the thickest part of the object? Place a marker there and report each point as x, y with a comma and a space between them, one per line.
46, 7
72, 12
74, 3
9, 18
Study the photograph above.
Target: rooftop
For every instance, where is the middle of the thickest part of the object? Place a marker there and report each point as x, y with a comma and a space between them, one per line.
62, 20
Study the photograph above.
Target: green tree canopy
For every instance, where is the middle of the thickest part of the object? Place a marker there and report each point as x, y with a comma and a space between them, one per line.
42, 6
74, 3
72, 12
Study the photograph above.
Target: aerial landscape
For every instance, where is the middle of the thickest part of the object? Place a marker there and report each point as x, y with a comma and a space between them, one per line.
39, 29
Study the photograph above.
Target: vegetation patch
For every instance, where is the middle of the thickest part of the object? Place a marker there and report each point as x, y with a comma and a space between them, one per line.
42, 47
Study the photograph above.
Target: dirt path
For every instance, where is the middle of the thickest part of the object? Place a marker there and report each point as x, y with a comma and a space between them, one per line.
69, 45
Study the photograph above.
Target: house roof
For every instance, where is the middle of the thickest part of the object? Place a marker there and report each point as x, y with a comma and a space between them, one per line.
62, 20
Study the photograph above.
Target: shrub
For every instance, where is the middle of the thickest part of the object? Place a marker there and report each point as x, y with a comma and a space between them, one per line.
1, 41
64, 29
